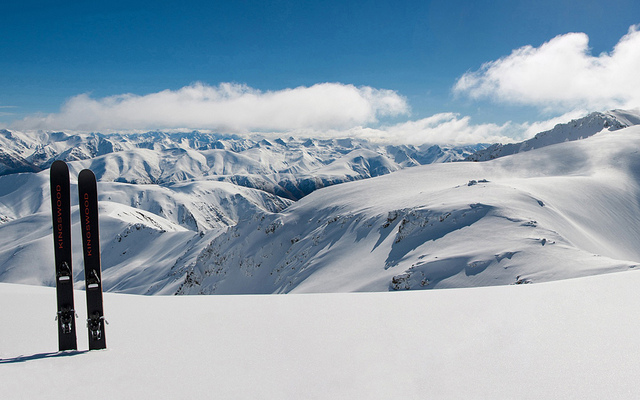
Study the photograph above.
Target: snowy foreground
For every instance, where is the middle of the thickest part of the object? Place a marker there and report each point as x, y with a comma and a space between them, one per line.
565, 339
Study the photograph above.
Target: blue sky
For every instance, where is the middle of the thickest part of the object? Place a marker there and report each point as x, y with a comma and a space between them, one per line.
87, 56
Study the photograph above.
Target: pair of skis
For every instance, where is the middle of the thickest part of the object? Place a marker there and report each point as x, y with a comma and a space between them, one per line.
61, 208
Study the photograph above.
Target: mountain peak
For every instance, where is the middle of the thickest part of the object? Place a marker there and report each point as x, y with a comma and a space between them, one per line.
575, 129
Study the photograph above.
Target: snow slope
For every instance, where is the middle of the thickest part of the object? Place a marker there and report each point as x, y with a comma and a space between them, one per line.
573, 130
572, 339
145, 229
566, 210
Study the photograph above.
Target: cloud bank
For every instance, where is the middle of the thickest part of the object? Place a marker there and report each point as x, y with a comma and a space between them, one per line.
562, 73
450, 129
228, 107
443, 128
326, 110
559, 77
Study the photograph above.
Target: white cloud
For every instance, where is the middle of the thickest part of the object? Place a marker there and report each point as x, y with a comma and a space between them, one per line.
443, 129
447, 129
321, 111
227, 107
562, 73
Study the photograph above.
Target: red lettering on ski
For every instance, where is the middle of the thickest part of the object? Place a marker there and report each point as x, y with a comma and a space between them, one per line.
60, 235
87, 224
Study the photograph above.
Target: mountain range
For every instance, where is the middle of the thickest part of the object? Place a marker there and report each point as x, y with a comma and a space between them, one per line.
197, 213
290, 167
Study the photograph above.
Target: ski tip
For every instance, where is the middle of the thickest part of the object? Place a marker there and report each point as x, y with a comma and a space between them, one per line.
86, 174
59, 164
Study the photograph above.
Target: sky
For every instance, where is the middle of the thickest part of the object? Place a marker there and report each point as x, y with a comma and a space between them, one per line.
413, 71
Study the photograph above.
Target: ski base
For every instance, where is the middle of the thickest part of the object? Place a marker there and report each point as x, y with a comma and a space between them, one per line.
61, 218
88, 200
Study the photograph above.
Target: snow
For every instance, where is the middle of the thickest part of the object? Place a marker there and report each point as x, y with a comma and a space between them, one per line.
534, 252
145, 229
573, 130
566, 339
287, 168
565, 210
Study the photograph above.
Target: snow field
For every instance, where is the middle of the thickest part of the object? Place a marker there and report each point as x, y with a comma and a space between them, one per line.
566, 339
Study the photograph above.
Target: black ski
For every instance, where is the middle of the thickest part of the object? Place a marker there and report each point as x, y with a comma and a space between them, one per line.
61, 212
88, 196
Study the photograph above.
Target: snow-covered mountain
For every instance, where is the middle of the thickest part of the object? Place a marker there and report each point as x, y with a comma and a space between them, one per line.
574, 130
565, 210
290, 168
144, 228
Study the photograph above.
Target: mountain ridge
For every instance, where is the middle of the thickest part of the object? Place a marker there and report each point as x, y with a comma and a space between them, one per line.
528, 224
564, 210
573, 130
290, 167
